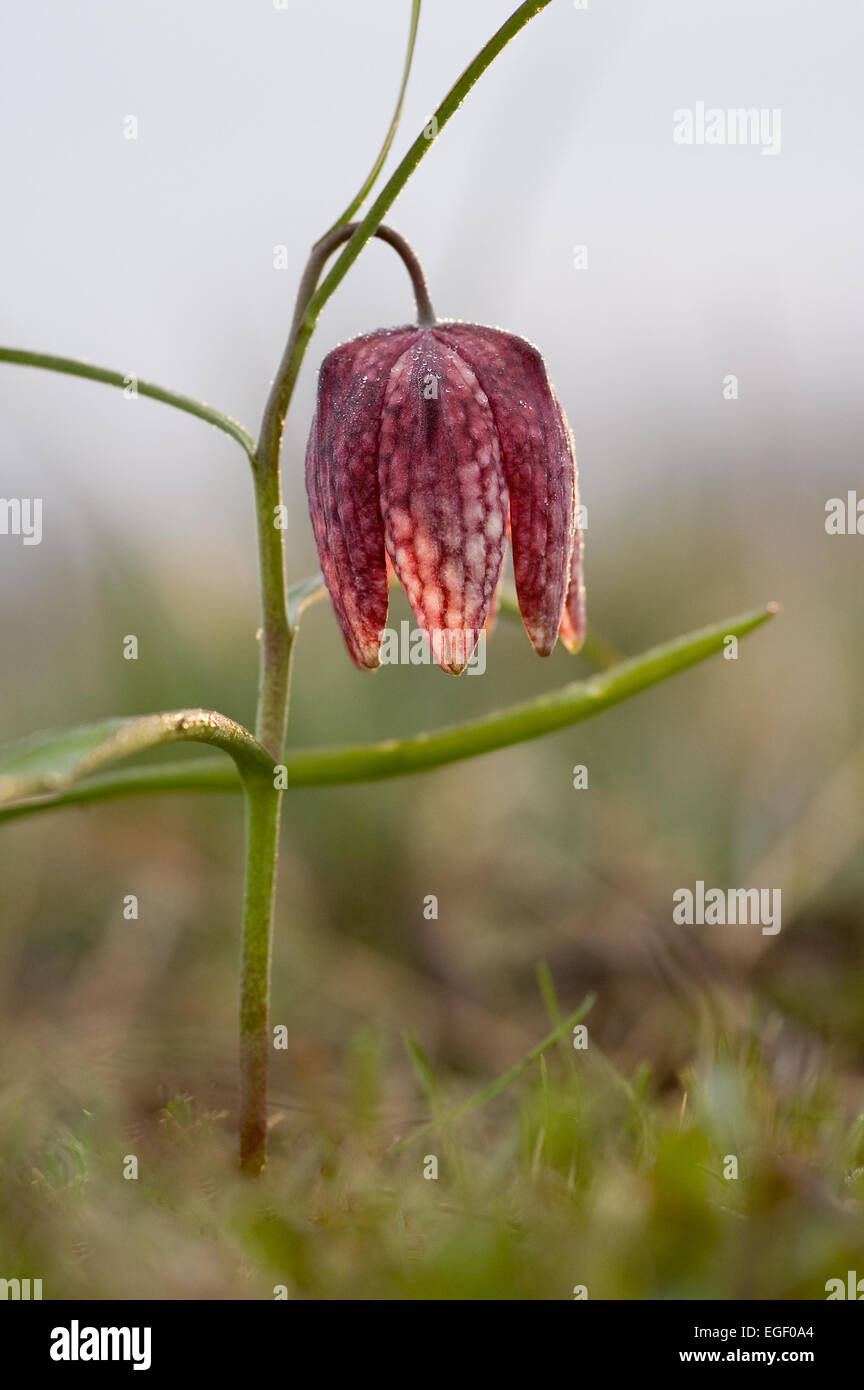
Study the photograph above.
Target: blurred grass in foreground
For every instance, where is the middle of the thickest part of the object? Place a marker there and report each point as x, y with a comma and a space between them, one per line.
577, 1175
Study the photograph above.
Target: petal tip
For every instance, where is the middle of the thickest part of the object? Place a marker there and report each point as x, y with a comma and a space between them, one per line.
573, 644
542, 641
368, 658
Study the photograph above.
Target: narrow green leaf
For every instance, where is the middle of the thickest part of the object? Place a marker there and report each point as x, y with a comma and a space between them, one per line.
318, 767
48, 764
369, 181
71, 366
190, 775
544, 715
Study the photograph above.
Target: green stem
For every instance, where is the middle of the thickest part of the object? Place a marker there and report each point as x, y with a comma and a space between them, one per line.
278, 627
263, 805
263, 808
277, 635
70, 366
285, 380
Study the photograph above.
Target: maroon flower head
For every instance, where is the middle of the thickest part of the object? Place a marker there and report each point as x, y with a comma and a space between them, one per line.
428, 446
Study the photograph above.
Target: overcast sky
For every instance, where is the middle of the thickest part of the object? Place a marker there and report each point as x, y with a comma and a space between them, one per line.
257, 124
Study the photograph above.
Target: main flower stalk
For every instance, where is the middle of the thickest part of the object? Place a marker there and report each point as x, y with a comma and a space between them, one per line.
263, 796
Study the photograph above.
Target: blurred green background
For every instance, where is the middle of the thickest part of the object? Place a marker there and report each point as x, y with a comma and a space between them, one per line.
119, 1036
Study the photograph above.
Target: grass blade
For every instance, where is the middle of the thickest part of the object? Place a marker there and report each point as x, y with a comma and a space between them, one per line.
501, 1082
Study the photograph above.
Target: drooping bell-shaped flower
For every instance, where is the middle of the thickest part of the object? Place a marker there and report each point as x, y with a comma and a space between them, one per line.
429, 446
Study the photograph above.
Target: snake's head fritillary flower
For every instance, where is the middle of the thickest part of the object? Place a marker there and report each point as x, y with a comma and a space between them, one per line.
429, 446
